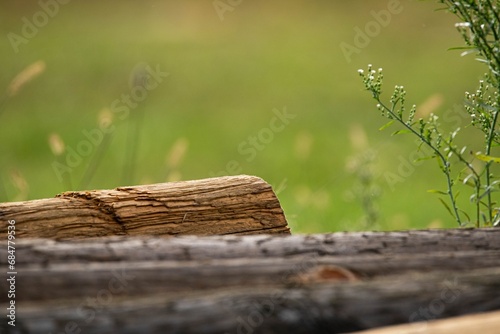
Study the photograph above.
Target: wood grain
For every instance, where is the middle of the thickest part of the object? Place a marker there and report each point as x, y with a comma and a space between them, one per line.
217, 206
328, 283
186, 247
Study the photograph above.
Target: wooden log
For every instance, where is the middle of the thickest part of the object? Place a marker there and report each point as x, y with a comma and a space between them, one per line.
329, 307
77, 279
225, 205
303, 284
60, 266
142, 248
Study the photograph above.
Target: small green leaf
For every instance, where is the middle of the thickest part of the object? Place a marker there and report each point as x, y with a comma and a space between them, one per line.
435, 191
485, 205
494, 183
470, 180
386, 125
487, 191
398, 132
446, 206
472, 198
440, 163
465, 214
429, 157
487, 158
463, 48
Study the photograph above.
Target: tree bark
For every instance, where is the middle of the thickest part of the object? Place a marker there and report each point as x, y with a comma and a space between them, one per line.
329, 283
224, 205
330, 307
79, 279
143, 248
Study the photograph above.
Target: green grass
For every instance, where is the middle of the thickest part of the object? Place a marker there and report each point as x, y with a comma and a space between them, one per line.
225, 79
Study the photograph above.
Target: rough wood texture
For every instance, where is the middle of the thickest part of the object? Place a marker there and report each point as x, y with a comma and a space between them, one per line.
312, 307
124, 248
224, 205
331, 283
78, 279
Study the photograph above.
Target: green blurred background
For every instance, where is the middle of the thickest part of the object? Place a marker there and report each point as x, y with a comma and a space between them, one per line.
227, 73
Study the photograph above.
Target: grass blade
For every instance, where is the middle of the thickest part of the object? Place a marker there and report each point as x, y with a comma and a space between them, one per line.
388, 124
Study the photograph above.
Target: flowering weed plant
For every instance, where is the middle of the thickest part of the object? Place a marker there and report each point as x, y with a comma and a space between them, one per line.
480, 28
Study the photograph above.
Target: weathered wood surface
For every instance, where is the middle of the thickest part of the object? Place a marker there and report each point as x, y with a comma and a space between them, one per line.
329, 283
225, 205
76, 279
482, 323
124, 248
328, 307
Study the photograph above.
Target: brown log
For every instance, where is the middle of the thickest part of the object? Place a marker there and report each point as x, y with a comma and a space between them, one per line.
246, 258
299, 284
60, 266
142, 248
225, 205
78, 279
76, 268
329, 307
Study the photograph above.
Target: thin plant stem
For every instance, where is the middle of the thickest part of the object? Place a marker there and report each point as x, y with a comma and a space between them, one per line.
446, 164
95, 162
477, 179
139, 80
132, 144
489, 142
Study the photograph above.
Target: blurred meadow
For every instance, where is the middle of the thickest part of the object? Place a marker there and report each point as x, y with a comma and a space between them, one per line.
253, 87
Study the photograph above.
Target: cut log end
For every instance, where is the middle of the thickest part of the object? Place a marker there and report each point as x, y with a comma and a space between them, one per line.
217, 206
